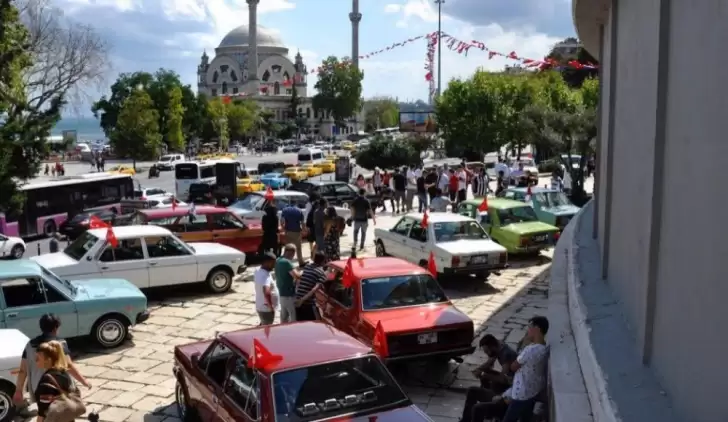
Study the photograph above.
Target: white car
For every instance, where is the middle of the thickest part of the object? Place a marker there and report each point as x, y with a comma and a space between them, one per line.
153, 192
167, 162
148, 256
251, 207
11, 353
11, 247
459, 244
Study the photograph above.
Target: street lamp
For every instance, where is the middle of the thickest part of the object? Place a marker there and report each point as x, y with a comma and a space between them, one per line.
439, 45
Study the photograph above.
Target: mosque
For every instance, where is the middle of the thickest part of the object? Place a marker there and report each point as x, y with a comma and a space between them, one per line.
253, 62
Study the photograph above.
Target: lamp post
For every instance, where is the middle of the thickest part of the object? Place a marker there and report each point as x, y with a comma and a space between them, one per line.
439, 45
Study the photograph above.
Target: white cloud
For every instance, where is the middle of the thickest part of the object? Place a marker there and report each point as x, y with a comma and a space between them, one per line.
392, 8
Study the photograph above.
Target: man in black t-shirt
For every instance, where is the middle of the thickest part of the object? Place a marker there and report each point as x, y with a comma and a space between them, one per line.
361, 212
431, 179
421, 193
399, 182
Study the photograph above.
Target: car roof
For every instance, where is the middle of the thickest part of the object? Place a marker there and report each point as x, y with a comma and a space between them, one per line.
180, 211
497, 202
277, 193
439, 217
301, 343
19, 268
534, 189
380, 266
123, 232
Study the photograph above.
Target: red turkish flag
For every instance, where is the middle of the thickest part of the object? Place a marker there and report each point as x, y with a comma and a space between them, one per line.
111, 238
528, 193
483, 207
348, 278
96, 223
512, 55
269, 196
380, 341
432, 265
174, 203
226, 99
425, 220
262, 358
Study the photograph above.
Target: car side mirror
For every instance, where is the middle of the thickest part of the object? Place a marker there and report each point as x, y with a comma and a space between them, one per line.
195, 358
89, 258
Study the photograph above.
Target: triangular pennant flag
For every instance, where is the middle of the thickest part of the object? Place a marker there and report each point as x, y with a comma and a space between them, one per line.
111, 238
528, 193
174, 203
425, 220
432, 265
380, 341
491, 54
96, 223
261, 357
269, 196
483, 207
348, 278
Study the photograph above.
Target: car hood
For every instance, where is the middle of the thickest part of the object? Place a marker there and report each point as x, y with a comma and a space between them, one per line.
404, 414
13, 342
530, 227
54, 260
412, 318
204, 248
106, 288
562, 210
470, 247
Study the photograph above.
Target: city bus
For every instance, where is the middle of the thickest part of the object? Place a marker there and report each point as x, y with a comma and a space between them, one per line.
187, 173
48, 204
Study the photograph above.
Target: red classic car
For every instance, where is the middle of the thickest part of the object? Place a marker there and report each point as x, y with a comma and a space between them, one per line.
207, 224
418, 320
300, 372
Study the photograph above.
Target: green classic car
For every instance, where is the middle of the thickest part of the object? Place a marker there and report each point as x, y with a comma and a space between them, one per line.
551, 206
512, 224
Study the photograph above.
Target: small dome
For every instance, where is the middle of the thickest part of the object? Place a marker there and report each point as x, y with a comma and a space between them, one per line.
238, 37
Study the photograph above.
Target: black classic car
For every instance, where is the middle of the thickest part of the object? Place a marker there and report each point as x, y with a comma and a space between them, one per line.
337, 193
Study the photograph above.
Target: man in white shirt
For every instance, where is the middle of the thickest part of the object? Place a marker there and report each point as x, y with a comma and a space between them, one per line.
517, 173
266, 291
444, 179
411, 188
462, 184
502, 167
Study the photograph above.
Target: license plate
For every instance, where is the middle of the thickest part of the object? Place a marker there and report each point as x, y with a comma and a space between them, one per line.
427, 338
479, 259
541, 238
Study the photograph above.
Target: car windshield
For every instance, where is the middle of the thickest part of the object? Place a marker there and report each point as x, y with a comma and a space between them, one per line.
80, 247
552, 199
516, 215
458, 230
347, 387
398, 291
166, 158
81, 217
248, 202
52, 278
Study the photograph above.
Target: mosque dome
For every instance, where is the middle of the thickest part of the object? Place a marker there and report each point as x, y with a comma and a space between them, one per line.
238, 37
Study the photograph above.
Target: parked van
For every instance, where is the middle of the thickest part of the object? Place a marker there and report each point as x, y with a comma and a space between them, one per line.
167, 162
310, 156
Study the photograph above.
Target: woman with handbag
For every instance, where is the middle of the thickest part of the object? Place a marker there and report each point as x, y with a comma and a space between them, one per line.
57, 397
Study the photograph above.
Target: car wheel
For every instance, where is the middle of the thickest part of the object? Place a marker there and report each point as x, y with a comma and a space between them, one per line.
49, 228
17, 251
7, 408
379, 248
110, 331
220, 280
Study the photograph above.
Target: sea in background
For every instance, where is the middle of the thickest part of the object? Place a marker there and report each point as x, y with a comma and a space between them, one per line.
87, 128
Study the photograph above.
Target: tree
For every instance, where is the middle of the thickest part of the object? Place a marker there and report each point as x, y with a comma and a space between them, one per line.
136, 133
295, 114
339, 89
384, 153
175, 114
241, 117
380, 113
218, 112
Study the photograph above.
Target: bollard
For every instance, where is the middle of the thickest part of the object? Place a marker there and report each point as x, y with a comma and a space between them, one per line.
38, 248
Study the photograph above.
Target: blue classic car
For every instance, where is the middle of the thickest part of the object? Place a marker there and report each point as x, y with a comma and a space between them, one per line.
103, 309
551, 206
275, 180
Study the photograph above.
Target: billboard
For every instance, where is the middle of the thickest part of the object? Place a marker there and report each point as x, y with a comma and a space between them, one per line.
417, 121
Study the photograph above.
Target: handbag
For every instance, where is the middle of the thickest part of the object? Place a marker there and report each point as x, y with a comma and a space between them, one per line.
67, 406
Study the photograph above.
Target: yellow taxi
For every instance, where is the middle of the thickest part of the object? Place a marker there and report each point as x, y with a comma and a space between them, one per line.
296, 174
250, 185
332, 157
327, 166
122, 170
348, 146
312, 170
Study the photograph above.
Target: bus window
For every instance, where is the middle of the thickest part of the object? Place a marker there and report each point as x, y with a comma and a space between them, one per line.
207, 172
186, 171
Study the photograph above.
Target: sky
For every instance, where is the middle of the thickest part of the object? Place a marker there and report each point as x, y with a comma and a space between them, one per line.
149, 34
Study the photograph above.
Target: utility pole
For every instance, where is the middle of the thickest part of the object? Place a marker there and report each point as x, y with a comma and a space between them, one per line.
439, 46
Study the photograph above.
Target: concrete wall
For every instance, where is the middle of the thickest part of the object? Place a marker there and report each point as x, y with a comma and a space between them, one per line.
661, 204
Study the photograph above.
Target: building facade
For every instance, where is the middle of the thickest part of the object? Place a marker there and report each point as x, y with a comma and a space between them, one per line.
657, 217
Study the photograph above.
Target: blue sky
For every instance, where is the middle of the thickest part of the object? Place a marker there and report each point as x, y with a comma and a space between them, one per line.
149, 34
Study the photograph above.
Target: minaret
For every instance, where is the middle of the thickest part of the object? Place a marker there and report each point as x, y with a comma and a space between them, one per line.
355, 18
253, 46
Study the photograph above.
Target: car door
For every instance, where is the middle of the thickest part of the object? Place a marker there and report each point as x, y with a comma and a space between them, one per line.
171, 262
229, 230
127, 261
240, 397
416, 243
345, 194
396, 245
206, 389
193, 228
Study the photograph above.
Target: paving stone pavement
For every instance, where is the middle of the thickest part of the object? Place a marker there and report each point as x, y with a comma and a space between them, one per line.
135, 382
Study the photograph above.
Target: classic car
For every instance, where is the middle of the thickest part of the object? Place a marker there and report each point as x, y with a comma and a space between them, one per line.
250, 207
327, 166
14, 343
250, 185
205, 224
150, 192
348, 146
304, 371
332, 157
154, 202
458, 243
291, 148
296, 174
312, 170
271, 167
552, 206
76, 226
512, 224
121, 170
11, 247
102, 308
418, 319
275, 180
148, 256
337, 193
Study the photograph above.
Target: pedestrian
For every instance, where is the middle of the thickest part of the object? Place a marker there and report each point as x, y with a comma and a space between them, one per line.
270, 231
377, 180
462, 175
310, 228
439, 203
480, 184
452, 188
399, 182
360, 182
411, 188
501, 166
30, 372
556, 182
333, 226
501, 183
103, 164
53, 244
293, 220
55, 381
312, 279
421, 192
266, 290
431, 181
361, 212
47, 169
53, 171
286, 278
319, 229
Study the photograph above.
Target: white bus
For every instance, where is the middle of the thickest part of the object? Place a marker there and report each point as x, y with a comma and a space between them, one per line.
310, 155
187, 173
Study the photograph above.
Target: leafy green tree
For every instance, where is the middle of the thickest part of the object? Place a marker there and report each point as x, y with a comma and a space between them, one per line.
339, 89
136, 133
380, 113
175, 115
385, 154
23, 127
218, 112
241, 117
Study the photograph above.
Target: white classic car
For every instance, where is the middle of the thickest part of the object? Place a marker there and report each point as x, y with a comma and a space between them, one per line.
148, 256
11, 247
459, 244
11, 353
251, 207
